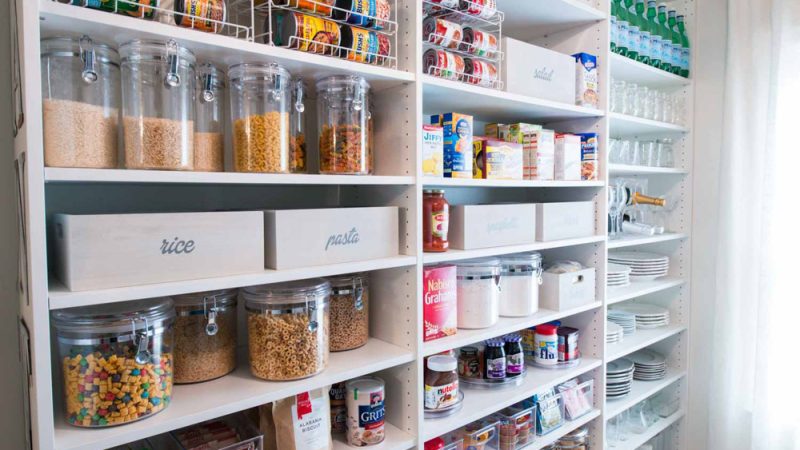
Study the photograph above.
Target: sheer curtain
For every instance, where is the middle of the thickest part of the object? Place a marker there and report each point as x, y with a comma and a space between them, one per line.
754, 397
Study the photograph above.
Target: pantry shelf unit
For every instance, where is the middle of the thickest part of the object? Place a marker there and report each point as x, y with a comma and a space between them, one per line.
505, 325
60, 297
625, 125
396, 439
480, 402
459, 255
626, 69
641, 390
237, 391
526, 23
633, 240
641, 288
637, 440
625, 169
66, 175
471, 182
641, 339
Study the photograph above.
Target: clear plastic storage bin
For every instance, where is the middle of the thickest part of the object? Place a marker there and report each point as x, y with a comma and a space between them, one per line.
209, 131
349, 311
516, 427
343, 113
578, 398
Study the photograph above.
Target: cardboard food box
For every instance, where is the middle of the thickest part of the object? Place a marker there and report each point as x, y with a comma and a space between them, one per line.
568, 157
590, 164
538, 72
587, 84
100, 251
457, 143
432, 151
538, 149
440, 302
564, 220
497, 160
483, 226
311, 237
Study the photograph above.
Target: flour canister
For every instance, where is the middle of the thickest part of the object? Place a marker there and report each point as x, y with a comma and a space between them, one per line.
365, 411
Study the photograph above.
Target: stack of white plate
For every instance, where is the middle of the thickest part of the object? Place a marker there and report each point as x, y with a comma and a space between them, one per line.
619, 378
618, 275
648, 365
614, 333
624, 319
647, 316
644, 266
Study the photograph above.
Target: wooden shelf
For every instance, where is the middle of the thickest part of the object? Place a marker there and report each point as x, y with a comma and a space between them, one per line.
458, 255
467, 182
626, 69
641, 288
640, 391
634, 240
637, 440
641, 339
625, 169
526, 23
625, 125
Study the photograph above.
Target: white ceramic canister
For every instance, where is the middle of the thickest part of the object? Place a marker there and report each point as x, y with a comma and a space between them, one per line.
478, 286
520, 278
365, 411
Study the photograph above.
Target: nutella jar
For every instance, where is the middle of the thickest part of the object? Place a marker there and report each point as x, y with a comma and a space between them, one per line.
441, 382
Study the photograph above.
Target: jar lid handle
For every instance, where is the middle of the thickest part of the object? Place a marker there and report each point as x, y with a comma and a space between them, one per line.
142, 342
311, 308
298, 95
211, 314
172, 79
208, 86
358, 294
89, 73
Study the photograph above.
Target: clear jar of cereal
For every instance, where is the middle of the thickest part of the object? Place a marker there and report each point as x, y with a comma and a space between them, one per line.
116, 360
260, 111
209, 131
349, 311
343, 113
288, 326
205, 335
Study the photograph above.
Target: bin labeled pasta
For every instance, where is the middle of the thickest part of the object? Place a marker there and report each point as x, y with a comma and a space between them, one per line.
344, 121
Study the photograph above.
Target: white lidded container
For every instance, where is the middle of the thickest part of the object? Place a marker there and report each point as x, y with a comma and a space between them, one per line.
478, 287
520, 277
365, 411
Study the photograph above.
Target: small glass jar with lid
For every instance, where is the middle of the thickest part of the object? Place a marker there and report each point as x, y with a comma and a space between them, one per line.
80, 94
344, 122
478, 292
158, 95
575, 440
297, 144
435, 221
116, 360
209, 131
520, 278
205, 335
260, 111
349, 311
288, 326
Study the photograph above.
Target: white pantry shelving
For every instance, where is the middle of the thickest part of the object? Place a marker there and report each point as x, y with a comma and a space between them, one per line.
404, 97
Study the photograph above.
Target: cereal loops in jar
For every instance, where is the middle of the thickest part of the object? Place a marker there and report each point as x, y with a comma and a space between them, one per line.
349, 311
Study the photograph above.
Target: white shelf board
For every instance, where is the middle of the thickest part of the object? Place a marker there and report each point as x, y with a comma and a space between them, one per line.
524, 22
641, 339
396, 439
640, 391
637, 440
440, 96
625, 125
471, 182
634, 240
626, 69
640, 288
58, 19
626, 169
69, 175
193, 403
479, 403
458, 255
503, 326
568, 427
60, 297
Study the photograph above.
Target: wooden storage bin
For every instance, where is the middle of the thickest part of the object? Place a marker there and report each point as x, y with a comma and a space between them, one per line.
483, 226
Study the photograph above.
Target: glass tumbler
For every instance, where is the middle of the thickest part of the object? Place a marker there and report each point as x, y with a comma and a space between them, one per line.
642, 95
618, 97
630, 103
653, 105
666, 107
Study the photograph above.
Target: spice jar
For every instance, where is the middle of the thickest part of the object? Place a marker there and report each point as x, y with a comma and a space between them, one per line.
343, 120
349, 311
435, 220
260, 109
116, 360
546, 345
80, 94
478, 292
441, 382
494, 360
515, 358
519, 284
469, 363
158, 89
297, 143
209, 134
205, 335
288, 328
203, 15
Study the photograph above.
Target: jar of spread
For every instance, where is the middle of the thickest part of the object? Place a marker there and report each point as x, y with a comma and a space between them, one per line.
515, 359
441, 382
469, 363
494, 360
435, 220
546, 344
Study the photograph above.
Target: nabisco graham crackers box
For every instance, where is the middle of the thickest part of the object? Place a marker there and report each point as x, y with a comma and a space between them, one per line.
439, 302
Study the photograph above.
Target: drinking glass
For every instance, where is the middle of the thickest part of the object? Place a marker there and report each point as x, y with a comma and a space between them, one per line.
625, 152
614, 146
665, 156
631, 104
649, 155
642, 93
618, 97
613, 210
678, 109
637, 421
666, 107
653, 105
636, 153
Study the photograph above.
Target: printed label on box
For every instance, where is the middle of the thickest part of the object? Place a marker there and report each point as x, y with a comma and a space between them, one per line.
439, 299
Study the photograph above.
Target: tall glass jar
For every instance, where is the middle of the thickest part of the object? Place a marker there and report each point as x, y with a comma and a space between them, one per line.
520, 279
478, 290
349, 311
288, 326
80, 93
205, 335
299, 160
158, 89
116, 360
260, 110
209, 134
343, 119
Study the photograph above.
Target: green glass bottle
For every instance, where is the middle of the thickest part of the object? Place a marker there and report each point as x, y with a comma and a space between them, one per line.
614, 26
666, 38
686, 53
634, 38
644, 32
676, 42
655, 34
623, 27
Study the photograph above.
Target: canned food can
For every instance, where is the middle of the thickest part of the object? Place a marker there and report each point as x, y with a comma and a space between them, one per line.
365, 411
480, 72
485, 9
383, 14
140, 9
203, 15
479, 43
384, 49
320, 7
305, 32
358, 44
440, 63
356, 12
446, 3
442, 32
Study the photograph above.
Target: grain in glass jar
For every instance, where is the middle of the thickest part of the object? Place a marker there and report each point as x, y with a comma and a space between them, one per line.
205, 335
520, 278
344, 123
158, 95
349, 311
80, 94
288, 328
209, 131
298, 163
260, 110
478, 286
116, 360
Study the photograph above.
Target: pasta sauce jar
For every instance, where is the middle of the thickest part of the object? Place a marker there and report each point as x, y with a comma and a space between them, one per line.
435, 220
